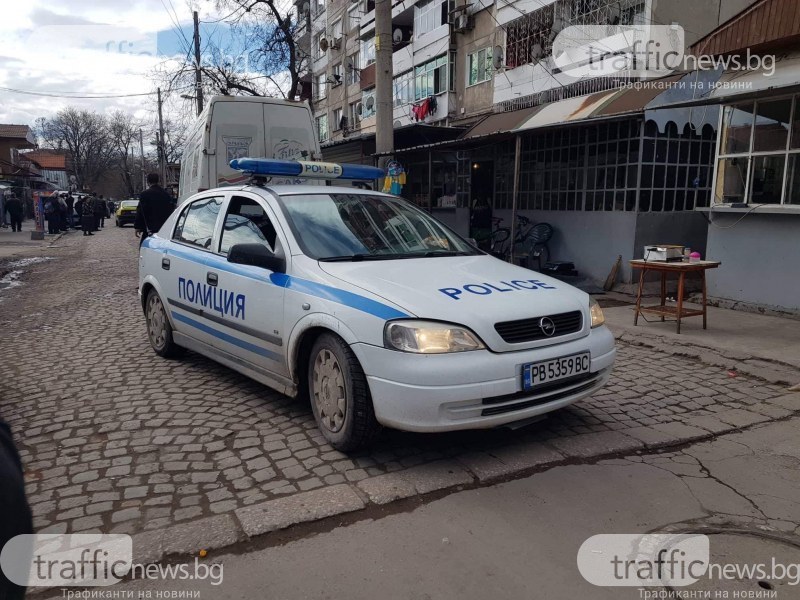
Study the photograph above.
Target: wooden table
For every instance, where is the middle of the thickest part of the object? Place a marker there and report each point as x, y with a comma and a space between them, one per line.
681, 268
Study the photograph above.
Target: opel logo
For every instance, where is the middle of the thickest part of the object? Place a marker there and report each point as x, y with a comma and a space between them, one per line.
547, 326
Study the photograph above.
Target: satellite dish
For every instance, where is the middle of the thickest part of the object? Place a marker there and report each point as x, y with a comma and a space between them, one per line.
370, 103
323, 44
614, 14
360, 108
397, 124
498, 58
306, 7
536, 52
397, 35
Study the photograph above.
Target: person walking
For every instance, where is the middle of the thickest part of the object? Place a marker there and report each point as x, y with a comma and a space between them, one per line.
98, 210
101, 209
51, 214
155, 207
70, 207
87, 215
3, 210
62, 211
15, 211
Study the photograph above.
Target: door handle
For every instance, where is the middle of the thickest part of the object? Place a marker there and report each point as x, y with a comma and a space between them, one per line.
165, 264
212, 278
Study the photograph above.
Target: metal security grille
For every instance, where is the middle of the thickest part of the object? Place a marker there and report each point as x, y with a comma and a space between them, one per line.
529, 330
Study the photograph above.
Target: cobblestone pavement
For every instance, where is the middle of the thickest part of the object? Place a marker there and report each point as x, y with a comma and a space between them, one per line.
116, 439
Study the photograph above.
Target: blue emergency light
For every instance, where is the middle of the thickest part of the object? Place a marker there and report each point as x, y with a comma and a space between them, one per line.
305, 168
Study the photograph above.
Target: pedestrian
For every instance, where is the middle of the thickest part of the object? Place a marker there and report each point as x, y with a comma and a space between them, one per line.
79, 210
17, 519
15, 211
3, 208
101, 210
98, 211
155, 207
51, 214
70, 207
87, 215
62, 211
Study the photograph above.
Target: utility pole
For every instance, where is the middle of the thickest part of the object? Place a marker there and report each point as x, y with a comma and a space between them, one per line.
197, 77
162, 169
384, 134
141, 153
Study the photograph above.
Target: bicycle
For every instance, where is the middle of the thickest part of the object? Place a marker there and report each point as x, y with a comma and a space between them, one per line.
530, 243
498, 238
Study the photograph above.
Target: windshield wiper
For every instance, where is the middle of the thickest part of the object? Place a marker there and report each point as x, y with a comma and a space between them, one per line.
360, 257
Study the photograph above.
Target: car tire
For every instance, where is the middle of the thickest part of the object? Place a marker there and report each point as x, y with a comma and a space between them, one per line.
159, 329
339, 395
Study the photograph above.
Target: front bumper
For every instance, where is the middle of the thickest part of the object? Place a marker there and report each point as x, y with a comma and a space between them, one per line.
481, 390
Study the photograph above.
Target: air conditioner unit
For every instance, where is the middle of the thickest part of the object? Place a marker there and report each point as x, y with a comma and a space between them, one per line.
462, 22
335, 43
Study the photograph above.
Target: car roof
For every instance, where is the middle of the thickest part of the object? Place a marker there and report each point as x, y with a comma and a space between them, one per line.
290, 190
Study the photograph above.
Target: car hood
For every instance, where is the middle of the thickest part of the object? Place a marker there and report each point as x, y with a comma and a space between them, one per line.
476, 291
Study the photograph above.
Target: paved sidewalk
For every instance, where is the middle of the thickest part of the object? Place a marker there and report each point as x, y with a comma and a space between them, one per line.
189, 454
19, 243
761, 345
520, 539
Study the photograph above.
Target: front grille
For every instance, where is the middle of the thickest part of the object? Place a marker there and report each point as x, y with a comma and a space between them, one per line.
534, 398
529, 330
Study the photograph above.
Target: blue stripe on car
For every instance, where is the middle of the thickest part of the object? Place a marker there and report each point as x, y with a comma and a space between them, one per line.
225, 337
303, 286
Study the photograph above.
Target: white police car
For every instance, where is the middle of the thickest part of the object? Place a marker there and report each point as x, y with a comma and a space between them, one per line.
368, 305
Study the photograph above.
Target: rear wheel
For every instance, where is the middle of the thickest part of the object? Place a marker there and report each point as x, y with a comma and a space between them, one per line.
339, 395
159, 329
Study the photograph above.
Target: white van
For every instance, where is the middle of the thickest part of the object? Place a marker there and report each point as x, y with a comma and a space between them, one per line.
240, 126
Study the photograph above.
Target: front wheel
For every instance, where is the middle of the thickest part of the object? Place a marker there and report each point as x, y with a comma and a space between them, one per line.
339, 394
159, 329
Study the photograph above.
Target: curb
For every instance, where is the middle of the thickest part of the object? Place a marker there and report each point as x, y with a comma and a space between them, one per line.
473, 470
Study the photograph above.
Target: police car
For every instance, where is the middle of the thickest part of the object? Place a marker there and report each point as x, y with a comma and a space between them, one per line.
367, 305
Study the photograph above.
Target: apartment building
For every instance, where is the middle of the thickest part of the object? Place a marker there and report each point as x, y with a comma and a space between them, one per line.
484, 114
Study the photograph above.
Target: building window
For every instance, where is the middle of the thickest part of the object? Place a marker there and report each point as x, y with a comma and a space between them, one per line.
429, 15
337, 119
430, 78
322, 84
479, 65
336, 74
403, 88
322, 128
353, 67
368, 52
529, 38
368, 103
354, 114
316, 49
759, 153
319, 7
336, 29
353, 16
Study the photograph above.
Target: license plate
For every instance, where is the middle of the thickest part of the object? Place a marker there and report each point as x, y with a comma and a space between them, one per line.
538, 373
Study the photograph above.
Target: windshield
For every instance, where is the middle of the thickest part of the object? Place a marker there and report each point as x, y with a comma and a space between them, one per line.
364, 227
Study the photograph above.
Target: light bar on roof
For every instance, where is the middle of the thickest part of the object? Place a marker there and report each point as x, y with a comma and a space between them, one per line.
305, 168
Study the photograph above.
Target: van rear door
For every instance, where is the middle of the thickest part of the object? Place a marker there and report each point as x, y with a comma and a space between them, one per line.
289, 132
237, 131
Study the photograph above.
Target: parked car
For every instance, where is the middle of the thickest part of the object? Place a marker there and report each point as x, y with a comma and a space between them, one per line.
368, 306
126, 213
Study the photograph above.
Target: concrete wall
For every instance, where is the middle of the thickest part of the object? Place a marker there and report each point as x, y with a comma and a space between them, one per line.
697, 18
592, 240
760, 260
477, 98
686, 228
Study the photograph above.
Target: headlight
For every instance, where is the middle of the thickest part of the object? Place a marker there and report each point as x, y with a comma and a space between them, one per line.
427, 337
597, 313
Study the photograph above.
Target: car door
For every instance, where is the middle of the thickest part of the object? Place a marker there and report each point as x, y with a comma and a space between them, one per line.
254, 317
184, 268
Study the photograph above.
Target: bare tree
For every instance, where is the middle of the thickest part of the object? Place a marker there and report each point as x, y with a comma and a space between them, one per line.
258, 56
124, 133
86, 136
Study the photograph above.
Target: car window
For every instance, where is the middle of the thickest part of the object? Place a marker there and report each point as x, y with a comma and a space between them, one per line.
196, 222
246, 222
340, 226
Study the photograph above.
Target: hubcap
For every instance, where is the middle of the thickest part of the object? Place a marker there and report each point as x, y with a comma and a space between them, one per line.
329, 393
156, 322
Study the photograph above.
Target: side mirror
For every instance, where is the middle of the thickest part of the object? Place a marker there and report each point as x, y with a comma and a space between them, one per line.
256, 255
